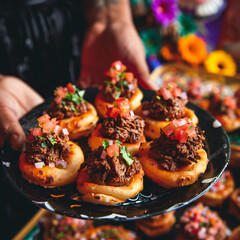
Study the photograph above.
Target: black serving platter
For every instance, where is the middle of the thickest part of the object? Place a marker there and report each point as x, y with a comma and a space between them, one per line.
153, 200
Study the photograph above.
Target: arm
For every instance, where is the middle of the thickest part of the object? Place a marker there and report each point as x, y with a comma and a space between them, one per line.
17, 98
111, 36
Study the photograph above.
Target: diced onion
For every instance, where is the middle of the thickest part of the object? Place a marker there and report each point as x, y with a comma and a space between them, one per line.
65, 131
110, 142
51, 165
61, 162
39, 164
145, 112
130, 87
103, 155
132, 113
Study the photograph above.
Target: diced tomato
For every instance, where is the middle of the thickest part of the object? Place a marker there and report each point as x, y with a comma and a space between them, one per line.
230, 102
180, 130
112, 73
57, 129
119, 66
58, 99
36, 131
129, 76
43, 119
70, 88
114, 112
165, 93
123, 104
61, 91
176, 92
48, 127
30, 137
113, 150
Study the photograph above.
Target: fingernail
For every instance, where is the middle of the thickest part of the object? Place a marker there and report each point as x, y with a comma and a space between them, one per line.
17, 141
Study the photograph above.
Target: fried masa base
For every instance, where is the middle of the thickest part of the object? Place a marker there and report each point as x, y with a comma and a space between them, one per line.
81, 126
215, 199
108, 195
153, 127
101, 105
184, 176
96, 139
53, 177
158, 227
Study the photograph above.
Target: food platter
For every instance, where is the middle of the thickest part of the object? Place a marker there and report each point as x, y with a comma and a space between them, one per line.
153, 200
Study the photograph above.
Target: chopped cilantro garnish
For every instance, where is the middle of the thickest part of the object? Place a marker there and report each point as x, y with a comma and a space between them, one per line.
118, 142
202, 224
119, 132
52, 140
169, 85
50, 158
42, 138
115, 105
167, 119
117, 95
105, 144
158, 97
109, 83
43, 144
172, 134
125, 83
76, 97
161, 105
190, 127
60, 235
126, 155
63, 103
73, 108
189, 117
59, 166
115, 153
52, 132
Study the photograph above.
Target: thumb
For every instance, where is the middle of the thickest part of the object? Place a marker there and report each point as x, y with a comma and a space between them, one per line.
10, 129
141, 71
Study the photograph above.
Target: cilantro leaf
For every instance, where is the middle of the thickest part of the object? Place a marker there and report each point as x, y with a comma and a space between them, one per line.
42, 138
43, 145
118, 142
117, 95
74, 109
126, 155
105, 144
52, 140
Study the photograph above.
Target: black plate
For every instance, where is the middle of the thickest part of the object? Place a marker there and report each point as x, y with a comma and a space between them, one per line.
153, 200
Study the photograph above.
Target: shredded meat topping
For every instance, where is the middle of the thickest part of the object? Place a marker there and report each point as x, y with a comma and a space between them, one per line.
113, 171
161, 109
111, 92
125, 129
217, 107
67, 109
172, 155
48, 148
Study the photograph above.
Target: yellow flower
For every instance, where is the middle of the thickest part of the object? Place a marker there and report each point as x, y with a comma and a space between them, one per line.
220, 62
192, 49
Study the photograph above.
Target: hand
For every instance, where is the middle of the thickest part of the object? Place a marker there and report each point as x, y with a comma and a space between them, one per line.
17, 98
106, 44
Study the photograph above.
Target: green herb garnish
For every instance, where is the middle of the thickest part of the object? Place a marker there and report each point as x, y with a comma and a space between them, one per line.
167, 119
118, 142
76, 97
60, 235
117, 95
161, 105
169, 85
115, 105
60, 166
42, 138
43, 145
126, 155
53, 140
105, 144
74, 109
119, 132
158, 97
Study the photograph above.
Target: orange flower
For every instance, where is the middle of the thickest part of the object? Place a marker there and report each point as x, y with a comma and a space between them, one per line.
168, 54
192, 49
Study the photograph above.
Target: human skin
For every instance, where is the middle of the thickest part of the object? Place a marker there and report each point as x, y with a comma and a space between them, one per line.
17, 98
111, 36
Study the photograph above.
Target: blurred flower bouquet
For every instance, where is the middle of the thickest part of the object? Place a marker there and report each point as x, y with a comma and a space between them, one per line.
173, 37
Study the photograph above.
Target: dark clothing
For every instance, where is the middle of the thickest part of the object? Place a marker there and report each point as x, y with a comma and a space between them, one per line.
40, 42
